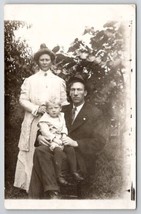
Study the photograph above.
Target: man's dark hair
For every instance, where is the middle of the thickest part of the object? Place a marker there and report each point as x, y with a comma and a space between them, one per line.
74, 81
77, 78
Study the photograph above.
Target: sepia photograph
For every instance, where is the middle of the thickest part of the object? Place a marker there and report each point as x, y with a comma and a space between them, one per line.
70, 106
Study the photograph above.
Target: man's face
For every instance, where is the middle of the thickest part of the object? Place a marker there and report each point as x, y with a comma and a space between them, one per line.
77, 93
45, 62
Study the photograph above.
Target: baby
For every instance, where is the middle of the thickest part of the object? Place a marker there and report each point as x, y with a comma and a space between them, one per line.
52, 125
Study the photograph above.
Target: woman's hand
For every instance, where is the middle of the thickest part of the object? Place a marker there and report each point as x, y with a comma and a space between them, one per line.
42, 109
43, 140
67, 141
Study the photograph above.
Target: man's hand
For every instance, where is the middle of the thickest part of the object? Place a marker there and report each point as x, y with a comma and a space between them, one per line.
42, 109
67, 141
43, 140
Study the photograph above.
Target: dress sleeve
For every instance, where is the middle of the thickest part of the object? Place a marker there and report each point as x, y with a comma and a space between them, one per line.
25, 98
63, 94
64, 127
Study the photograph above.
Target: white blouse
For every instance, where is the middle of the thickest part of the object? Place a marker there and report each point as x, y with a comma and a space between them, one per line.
39, 88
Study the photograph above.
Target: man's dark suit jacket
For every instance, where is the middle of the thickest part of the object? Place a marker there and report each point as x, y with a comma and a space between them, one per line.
88, 130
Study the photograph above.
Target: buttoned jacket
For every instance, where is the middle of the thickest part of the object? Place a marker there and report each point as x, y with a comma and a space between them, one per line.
88, 129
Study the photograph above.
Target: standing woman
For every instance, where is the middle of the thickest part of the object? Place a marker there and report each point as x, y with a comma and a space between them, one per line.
36, 90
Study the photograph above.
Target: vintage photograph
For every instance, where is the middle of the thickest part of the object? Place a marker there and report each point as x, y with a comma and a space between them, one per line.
70, 114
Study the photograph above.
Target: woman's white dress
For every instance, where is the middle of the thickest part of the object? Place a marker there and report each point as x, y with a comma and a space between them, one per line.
35, 91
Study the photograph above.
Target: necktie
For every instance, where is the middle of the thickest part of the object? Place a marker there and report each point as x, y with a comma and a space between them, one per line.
73, 114
45, 74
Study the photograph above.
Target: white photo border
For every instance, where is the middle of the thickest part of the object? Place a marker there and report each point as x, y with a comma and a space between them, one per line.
78, 206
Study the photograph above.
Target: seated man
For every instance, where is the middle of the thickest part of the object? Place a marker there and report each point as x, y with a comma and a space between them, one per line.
84, 134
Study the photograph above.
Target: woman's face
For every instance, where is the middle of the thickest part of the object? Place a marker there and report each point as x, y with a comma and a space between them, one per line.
45, 62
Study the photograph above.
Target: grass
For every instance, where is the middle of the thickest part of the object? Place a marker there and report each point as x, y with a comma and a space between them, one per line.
108, 180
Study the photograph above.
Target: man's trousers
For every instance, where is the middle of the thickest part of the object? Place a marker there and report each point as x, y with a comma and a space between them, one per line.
43, 176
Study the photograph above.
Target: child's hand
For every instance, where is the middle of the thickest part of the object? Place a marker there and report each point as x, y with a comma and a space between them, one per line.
53, 146
58, 141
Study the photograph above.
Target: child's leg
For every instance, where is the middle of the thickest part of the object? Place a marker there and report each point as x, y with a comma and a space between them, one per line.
70, 152
58, 158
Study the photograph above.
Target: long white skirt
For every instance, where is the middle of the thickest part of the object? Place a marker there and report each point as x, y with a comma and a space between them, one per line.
25, 161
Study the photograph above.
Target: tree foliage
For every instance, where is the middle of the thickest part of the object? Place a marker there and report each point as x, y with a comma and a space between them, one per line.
18, 65
17, 57
98, 55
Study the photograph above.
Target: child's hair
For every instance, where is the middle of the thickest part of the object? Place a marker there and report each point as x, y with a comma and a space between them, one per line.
53, 101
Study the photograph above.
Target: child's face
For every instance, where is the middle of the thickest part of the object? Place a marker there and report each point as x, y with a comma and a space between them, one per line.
53, 110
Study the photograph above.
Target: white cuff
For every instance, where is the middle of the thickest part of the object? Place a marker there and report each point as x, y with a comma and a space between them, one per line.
35, 111
76, 144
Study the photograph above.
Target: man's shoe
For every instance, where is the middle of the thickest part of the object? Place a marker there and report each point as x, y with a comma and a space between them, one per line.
54, 195
62, 181
77, 177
